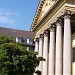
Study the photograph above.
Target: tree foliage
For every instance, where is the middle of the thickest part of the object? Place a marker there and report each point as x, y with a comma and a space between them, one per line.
15, 59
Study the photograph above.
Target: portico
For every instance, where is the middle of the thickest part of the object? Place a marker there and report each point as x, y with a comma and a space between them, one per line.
57, 26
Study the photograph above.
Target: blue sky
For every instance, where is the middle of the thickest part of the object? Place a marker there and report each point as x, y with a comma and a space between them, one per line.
17, 14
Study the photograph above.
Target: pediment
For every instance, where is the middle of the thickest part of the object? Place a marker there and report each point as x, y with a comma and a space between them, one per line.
43, 7
46, 6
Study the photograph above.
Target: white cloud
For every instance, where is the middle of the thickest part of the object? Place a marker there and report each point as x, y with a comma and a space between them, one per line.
8, 13
6, 20
7, 17
5, 12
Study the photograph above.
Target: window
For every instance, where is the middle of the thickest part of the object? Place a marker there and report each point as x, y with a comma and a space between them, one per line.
30, 48
30, 41
19, 39
27, 48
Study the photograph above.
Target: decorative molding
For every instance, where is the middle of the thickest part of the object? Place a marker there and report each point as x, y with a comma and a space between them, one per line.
35, 21
52, 27
37, 13
41, 36
59, 21
46, 6
67, 14
36, 40
45, 32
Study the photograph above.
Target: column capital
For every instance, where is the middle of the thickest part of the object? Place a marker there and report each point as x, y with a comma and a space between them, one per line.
41, 36
45, 32
36, 39
67, 14
52, 27
59, 21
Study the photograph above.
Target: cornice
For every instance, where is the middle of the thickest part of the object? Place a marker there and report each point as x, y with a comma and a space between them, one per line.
39, 8
34, 26
34, 23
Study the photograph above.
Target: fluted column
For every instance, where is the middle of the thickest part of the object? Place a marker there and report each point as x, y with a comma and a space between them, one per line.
45, 53
36, 49
40, 52
59, 52
52, 51
67, 63
36, 44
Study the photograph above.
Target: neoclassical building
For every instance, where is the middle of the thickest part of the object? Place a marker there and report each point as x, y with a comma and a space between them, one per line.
54, 26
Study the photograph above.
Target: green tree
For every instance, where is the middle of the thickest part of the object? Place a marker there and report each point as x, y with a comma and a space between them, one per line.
15, 59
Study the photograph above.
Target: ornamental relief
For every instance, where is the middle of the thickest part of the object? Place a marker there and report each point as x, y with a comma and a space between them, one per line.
47, 5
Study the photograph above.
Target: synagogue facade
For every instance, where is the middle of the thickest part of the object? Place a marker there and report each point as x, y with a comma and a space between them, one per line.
54, 27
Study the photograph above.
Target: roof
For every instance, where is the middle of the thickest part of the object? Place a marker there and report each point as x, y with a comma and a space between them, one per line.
39, 8
38, 11
16, 33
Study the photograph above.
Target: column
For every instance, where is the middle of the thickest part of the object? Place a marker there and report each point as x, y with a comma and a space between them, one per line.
59, 52
52, 51
67, 63
37, 45
36, 49
40, 52
45, 53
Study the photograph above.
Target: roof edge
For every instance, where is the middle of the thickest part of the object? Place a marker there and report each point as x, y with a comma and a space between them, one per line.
39, 8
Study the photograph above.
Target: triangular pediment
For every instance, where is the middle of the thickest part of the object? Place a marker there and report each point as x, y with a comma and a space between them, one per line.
46, 6
43, 7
